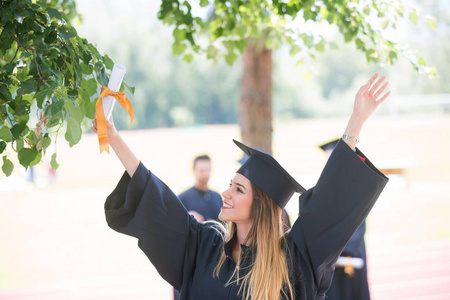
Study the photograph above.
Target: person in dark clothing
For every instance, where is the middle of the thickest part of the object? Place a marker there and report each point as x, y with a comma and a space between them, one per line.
350, 280
250, 257
201, 202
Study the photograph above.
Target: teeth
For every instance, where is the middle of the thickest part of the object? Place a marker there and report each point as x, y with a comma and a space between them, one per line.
227, 205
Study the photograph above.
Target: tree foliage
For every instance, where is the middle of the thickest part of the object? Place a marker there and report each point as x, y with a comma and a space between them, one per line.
231, 25
48, 74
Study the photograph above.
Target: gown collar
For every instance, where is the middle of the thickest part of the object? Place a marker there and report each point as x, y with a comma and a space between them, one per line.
231, 244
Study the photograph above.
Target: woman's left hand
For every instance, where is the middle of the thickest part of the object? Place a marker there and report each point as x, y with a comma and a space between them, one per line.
367, 100
369, 97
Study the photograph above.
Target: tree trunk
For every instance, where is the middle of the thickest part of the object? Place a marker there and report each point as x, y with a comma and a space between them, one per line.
256, 98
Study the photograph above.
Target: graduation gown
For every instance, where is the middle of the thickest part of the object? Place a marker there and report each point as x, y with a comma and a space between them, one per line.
185, 252
355, 287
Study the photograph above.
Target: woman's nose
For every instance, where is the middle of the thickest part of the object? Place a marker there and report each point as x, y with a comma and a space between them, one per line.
226, 194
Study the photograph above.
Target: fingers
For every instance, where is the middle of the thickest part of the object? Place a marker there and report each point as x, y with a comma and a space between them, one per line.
372, 79
94, 125
377, 84
378, 93
384, 97
369, 83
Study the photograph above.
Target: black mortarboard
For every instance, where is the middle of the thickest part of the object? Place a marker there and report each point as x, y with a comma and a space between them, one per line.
329, 145
267, 174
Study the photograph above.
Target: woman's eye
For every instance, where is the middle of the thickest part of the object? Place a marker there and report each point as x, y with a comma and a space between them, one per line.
239, 190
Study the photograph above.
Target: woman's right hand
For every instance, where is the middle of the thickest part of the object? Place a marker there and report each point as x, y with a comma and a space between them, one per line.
126, 156
110, 128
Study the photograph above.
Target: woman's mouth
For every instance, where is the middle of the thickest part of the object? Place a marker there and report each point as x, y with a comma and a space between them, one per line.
226, 206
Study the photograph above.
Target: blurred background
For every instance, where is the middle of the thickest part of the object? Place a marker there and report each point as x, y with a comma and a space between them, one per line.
55, 243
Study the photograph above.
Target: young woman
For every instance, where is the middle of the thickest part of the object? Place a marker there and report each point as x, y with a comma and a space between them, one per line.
250, 257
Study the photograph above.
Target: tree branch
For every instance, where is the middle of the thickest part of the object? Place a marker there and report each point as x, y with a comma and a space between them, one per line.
17, 50
34, 56
43, 25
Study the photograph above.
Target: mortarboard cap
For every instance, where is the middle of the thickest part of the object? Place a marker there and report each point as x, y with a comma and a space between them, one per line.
329, 145
267, 174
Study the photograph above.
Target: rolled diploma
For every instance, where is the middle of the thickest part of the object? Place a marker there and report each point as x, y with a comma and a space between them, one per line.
114, 85
355, 262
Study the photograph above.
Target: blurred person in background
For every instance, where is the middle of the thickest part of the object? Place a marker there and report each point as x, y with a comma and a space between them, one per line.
201, 202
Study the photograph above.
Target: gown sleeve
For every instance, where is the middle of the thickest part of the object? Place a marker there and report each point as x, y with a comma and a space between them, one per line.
145, 208
332, 211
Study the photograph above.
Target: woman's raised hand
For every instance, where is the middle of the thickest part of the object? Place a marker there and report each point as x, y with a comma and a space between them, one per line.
367, 100
111, 129
370, 96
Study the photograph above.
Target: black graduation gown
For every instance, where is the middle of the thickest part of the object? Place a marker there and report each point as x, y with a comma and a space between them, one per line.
355, 287
186, 252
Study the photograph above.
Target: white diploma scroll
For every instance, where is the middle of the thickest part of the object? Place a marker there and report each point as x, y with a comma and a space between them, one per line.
114, 85
355, 262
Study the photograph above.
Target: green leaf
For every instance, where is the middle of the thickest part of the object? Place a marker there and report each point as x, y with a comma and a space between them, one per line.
90, 86
230, 58
211, 52
5, 94
43, 143
87, 69
204, 3
9, 68
53, 162
385, 23
359, 44
17, 130
5, 135
53, 13
130, 88
348, 36
320, 46
178, 48
26, 156
40, 97
2, 146
27, 87
108, 62
73, 111
72, 93
73, 132
7, 167
240, 45
179, 34
241, 31
392, 56
22, 108
53, 109
433, 72
188, 58
294, 50
421, 61
102, 78
413, 16
51, 37
37, 159
431, 22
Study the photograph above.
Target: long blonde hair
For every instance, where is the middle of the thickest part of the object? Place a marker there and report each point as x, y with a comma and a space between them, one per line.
268, 277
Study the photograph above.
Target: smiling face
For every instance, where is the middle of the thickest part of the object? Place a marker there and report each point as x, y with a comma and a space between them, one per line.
237, 201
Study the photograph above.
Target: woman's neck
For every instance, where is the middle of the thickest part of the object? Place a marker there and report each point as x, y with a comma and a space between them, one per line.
242, 230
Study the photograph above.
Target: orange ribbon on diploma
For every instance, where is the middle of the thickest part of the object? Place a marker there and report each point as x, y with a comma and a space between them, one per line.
101, 120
